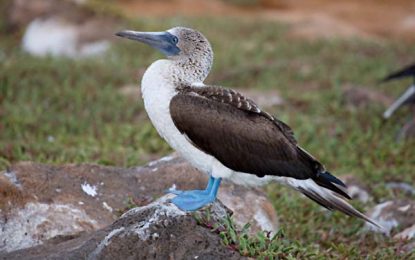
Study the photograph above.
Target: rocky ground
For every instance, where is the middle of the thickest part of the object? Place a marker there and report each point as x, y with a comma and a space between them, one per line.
156, 231
72, 211
42, 202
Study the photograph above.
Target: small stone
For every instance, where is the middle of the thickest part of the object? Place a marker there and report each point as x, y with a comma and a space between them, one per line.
401, 187
394, 214
356, 188
407, 233
166, 223
154, 236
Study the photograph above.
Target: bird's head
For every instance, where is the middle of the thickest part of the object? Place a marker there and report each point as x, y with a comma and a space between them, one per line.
176, 43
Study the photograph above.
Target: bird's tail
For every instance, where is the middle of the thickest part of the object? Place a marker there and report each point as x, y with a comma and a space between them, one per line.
321, 192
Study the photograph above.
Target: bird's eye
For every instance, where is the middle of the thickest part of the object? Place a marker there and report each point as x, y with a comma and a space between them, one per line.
175, 40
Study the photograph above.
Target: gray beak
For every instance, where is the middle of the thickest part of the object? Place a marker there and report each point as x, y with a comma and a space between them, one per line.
162, 41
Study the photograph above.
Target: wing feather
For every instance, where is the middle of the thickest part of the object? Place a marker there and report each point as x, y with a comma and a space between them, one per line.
235, 131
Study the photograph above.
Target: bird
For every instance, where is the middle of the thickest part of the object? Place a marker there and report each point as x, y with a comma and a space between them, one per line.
407, 97
221, 132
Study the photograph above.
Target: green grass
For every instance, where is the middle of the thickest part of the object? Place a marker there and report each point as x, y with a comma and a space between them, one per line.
57, 110
263, 245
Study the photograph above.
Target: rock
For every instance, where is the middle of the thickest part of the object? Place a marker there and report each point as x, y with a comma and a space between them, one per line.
37, 222
395, 214
364, 97
407, 233
157, 231
60, 28
91, 197
356, 189
260, 211
57, 37
401, 187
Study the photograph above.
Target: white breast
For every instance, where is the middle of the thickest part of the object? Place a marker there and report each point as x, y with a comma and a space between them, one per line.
158, 90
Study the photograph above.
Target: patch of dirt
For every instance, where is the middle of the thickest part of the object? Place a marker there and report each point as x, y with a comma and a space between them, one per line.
372, 19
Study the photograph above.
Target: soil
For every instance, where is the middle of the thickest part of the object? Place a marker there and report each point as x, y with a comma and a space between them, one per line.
374, 19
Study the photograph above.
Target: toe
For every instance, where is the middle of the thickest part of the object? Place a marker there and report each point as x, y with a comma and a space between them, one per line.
190, 202
187, 205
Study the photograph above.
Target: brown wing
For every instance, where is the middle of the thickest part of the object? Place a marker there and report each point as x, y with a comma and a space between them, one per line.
242, 137
232, 97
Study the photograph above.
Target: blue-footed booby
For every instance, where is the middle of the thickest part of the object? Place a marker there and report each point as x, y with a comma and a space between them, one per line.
221, 132
408, 97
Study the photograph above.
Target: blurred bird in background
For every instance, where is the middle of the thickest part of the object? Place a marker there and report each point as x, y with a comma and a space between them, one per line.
406, 98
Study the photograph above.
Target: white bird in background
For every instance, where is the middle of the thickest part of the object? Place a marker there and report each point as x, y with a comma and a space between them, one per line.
221, 132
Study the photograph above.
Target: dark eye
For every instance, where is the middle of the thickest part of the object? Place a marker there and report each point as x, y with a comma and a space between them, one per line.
175, 40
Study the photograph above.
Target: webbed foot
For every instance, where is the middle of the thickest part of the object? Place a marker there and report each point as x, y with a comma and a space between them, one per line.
195, 199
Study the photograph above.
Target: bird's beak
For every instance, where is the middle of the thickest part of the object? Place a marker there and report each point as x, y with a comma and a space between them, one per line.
162, 41
405, 97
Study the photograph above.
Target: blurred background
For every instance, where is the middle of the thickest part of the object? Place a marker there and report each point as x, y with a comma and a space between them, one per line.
69, 89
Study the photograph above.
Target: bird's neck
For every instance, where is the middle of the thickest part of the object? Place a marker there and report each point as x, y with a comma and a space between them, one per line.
167, 74
192, 69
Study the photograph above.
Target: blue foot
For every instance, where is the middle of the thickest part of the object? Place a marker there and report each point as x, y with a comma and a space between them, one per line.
196, 199
188, 193
194, 192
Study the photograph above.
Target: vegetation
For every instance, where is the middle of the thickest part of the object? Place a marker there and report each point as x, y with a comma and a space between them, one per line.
263, 245
59, 110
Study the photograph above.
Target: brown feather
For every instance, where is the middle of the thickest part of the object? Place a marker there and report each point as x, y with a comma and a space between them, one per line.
250, 140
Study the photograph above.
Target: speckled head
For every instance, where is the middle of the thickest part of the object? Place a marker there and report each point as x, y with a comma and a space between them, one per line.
189, 51
177, 43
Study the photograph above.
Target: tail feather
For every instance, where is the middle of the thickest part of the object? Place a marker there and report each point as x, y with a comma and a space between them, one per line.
328, 199
325, 189
323, 177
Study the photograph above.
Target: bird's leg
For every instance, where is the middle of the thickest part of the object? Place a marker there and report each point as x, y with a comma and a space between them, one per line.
194, 192
193, 200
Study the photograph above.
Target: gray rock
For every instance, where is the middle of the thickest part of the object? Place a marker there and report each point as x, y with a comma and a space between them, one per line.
60, 27
395, 215
356, 188
39, 202
157, 231
57, 37
401, 187
407, 233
